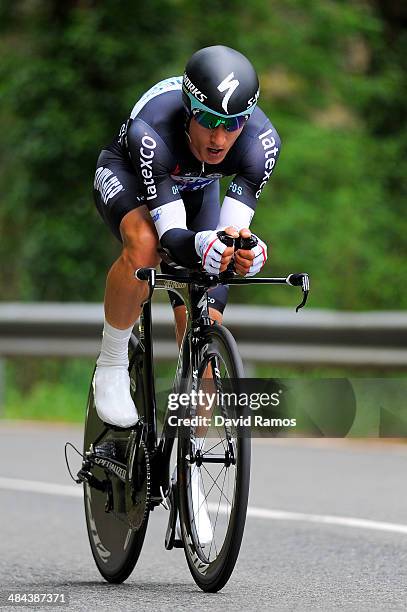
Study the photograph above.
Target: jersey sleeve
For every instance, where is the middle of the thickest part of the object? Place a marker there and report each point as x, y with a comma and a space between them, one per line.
153, 164
257, 165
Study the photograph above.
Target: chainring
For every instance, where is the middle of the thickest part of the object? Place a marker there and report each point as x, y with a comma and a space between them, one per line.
138, 487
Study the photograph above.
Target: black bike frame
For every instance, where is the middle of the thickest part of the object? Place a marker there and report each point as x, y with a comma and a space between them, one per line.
195, 299
192, 289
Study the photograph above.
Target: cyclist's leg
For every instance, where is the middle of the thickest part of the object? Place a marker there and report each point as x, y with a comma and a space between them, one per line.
216, 307
131, 223
206, 218
203, 210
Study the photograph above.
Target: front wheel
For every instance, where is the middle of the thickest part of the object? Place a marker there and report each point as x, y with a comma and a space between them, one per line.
115, 546
213, 467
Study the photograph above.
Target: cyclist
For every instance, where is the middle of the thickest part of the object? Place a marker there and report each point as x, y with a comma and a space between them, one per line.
159, 181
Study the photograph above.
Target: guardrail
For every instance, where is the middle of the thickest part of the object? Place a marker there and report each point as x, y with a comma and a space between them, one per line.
277, 335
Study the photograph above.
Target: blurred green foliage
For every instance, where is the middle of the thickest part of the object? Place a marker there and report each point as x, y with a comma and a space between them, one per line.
333, 82
57, 389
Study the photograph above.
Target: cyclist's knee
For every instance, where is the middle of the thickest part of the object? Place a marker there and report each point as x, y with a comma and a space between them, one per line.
215, 315
140, 244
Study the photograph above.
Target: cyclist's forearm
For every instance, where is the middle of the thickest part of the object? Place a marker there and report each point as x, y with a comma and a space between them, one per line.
171, 225
181, 244
235, 213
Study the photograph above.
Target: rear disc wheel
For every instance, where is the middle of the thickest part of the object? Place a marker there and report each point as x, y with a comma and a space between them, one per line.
115, 545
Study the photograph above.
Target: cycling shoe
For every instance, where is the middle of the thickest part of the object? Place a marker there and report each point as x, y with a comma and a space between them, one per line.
113, 402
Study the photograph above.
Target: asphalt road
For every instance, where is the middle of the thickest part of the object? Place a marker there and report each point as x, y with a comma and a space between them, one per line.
313, 555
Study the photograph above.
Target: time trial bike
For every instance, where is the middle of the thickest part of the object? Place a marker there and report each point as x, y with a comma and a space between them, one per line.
126, 472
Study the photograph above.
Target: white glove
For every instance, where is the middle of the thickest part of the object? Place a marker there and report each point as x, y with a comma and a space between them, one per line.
260, 257
210, 249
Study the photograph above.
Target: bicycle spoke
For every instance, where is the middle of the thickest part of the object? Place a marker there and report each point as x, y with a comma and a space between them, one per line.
207, 509
217, 515
211, 448
222, 440
215, 482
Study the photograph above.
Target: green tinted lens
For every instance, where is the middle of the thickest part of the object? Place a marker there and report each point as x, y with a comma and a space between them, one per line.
211, 121
208, 120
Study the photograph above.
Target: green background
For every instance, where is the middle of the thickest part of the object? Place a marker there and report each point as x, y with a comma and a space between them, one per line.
333, 82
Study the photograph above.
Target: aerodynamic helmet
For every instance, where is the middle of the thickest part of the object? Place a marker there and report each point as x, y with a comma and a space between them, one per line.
220, 81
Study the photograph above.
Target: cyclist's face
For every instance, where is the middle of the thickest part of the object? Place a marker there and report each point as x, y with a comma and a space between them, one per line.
211, 146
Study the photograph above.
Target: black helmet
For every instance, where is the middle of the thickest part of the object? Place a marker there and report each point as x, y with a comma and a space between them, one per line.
220, 80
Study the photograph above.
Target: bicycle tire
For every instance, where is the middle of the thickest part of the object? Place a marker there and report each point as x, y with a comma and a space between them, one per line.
115, 547
211, 576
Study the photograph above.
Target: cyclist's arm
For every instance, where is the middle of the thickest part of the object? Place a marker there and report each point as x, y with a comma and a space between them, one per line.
153, 163
257, 165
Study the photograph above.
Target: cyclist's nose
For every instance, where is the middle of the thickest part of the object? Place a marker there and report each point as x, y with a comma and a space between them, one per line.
218, 137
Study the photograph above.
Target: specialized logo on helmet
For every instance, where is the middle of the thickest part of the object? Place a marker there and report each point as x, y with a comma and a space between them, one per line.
229, 85
254, 99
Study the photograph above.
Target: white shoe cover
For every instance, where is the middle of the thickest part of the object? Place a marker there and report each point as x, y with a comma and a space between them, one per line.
111, 386
199, 504
202, 521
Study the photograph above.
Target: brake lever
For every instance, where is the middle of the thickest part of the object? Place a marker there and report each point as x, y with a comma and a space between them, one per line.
304, 300
300, 279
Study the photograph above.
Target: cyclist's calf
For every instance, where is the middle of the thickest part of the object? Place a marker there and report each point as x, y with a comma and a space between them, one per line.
124, 294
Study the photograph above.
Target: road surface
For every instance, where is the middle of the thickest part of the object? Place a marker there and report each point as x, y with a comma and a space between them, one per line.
327, 530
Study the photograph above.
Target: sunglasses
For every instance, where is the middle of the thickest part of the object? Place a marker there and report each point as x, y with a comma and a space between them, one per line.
211, 121
205, 117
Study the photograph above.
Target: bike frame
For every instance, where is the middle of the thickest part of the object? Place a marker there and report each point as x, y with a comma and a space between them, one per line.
192, 288
194, 296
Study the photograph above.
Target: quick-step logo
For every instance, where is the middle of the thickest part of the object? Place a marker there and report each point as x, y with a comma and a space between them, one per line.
269, 146
146, 165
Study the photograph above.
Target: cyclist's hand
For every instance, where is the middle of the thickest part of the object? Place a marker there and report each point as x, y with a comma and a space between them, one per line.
229, 252
250, 262
214, 254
